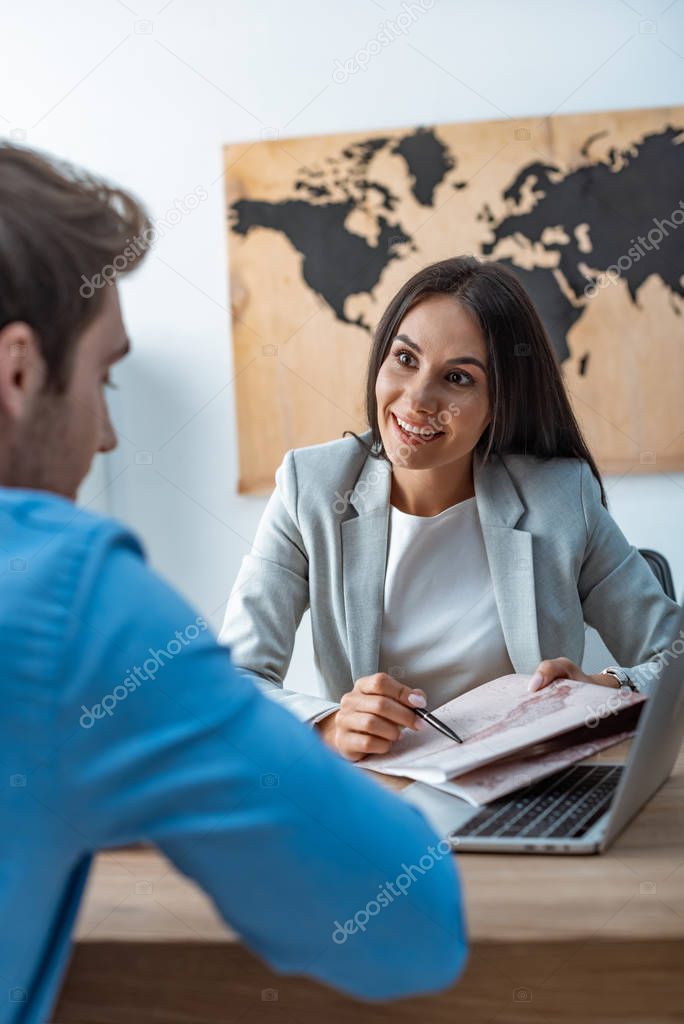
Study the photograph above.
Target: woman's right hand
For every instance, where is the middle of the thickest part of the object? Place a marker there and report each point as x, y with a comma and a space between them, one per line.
371, 716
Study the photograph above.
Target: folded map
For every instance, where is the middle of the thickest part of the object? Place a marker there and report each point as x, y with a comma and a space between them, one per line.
508, 774
511, 730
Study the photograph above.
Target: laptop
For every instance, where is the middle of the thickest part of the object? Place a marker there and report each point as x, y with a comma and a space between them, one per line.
581, 809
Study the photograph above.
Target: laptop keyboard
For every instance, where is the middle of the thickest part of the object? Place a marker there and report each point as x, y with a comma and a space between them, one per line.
563, 806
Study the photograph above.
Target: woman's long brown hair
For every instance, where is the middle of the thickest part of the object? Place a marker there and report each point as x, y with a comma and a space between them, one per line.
531, 412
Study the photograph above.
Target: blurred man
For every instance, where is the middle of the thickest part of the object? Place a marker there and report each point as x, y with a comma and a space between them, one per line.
122, 719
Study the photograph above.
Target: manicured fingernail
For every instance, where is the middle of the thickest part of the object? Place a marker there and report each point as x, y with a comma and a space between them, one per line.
417, 700
420, 724
536, 681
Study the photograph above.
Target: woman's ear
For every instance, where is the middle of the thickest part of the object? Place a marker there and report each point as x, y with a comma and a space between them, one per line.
22, 369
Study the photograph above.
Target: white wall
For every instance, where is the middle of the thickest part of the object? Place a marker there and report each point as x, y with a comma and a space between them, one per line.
147, 92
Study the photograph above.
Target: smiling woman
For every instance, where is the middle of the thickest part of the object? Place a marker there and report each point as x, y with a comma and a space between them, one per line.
431, 411
454, 314
463, 537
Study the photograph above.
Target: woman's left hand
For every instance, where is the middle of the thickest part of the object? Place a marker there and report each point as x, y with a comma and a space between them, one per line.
563, 668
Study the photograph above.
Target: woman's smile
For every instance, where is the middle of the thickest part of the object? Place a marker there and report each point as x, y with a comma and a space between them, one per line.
412, 433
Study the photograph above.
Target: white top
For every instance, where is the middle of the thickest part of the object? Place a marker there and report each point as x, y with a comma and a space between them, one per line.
441, 629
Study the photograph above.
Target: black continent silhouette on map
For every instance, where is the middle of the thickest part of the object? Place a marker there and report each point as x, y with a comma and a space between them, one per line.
597, 212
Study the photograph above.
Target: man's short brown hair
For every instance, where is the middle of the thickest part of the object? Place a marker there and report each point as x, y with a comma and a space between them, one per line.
64, 236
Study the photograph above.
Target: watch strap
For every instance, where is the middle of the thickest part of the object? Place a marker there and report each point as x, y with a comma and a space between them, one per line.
622, 677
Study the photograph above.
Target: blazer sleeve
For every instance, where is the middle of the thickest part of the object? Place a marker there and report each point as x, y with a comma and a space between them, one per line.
268, 599
621, 597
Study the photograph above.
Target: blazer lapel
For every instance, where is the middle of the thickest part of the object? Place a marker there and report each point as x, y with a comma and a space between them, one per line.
364, 558
511, 561
509, 554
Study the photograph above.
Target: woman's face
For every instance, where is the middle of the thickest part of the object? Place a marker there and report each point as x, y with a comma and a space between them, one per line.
434, 380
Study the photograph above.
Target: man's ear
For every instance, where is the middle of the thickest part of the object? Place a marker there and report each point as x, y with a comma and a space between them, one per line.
22, 369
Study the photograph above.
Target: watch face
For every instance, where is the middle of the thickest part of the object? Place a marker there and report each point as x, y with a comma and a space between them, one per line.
625, 680
622, 678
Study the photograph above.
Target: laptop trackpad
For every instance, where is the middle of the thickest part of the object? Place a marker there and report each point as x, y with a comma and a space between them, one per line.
444, 811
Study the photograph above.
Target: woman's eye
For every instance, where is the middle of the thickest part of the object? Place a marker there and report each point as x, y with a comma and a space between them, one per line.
465, 377
405, 358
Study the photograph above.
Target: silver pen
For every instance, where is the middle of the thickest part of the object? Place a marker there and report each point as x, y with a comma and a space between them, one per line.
428, 717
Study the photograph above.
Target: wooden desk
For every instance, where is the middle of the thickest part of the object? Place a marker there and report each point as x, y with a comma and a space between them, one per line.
573, 940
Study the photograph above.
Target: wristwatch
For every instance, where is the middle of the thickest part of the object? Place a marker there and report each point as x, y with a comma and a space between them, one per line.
621, 676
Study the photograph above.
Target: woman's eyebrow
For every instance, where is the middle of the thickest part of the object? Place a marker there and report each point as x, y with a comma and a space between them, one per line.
461, 359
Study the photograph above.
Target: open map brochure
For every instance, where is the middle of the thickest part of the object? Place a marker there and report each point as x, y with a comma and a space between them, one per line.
511, 737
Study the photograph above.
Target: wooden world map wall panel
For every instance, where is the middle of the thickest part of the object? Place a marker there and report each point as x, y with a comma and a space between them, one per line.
587, 210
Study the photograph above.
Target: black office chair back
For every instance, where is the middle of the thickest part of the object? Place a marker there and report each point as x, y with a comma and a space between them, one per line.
661, 570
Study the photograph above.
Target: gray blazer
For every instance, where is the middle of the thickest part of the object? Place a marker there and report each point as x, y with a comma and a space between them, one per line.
557, 560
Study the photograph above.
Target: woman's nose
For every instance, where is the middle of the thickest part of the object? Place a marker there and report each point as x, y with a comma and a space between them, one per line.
422, 399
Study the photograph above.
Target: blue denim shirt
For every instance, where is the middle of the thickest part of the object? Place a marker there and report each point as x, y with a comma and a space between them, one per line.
123, 720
